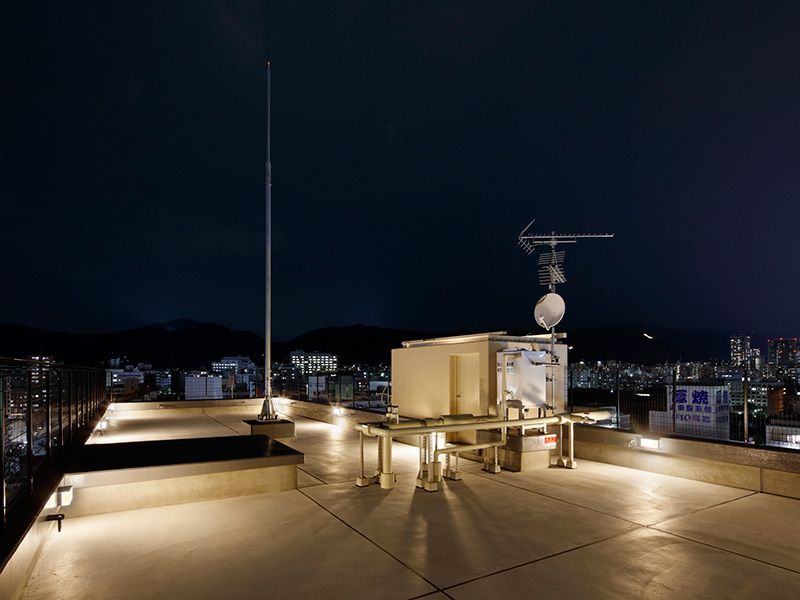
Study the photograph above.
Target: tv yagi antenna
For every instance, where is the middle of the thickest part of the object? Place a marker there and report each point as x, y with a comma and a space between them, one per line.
550, 308
551, 271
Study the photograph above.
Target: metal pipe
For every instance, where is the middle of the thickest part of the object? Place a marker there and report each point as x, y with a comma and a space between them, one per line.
443, 420
384, 430
448, 449
380, 458
421, 474
434, 474
363, 480
553, 359
572, 444
386, 434
361, 451
387, 476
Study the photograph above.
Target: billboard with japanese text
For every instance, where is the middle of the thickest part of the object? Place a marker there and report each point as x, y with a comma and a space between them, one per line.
702, 411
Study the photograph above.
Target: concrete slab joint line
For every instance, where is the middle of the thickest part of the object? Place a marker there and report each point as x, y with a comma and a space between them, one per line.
382, 549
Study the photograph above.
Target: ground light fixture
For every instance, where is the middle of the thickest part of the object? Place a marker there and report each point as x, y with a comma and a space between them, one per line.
646, 443
64, 494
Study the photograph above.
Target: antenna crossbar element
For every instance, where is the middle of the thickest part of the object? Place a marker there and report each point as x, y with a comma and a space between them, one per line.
551, 273
552, 258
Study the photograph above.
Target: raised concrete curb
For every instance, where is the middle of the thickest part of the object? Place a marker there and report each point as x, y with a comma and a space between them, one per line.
735, 465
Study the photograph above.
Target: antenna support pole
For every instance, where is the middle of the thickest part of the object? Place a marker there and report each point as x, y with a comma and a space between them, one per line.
551, 272
268, 409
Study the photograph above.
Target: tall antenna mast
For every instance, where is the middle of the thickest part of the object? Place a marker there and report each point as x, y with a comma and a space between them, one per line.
550, 308
268, 410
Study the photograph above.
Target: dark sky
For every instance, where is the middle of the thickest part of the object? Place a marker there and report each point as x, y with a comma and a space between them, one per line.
411, 143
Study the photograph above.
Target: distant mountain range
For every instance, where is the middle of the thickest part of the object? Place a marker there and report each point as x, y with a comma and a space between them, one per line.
189, 345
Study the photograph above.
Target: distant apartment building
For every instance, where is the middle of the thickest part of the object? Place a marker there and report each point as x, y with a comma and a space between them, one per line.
38, 373
124, 383
744, 356
234, 364
585, 376
39, 379
310, 363
318, 388
758, 394
756, 360
201, 386
777, 401
239, 376
287, 381
782, 357
783, 433
740, 350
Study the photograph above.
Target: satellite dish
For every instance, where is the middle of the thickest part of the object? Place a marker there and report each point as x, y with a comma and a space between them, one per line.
549, 311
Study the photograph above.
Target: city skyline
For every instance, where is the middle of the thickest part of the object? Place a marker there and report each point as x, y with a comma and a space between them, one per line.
410, 148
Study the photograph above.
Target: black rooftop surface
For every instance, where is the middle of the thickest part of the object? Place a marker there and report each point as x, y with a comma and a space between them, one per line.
132, 455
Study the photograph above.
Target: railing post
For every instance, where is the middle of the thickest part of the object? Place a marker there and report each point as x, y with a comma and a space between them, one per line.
3, 445
85, 398
69, 405
49, 416
619, 426
29, 429
82, 397
77, 402
674, 398
61, 412
746, 428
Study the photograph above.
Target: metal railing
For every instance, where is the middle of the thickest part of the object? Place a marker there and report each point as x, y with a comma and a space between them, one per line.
704, 411
46, 407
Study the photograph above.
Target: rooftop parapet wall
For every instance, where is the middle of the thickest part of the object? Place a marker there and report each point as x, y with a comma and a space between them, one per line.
329, 413
244, 405
735, 465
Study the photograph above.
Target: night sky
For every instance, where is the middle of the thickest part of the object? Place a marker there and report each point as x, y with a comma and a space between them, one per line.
411, 143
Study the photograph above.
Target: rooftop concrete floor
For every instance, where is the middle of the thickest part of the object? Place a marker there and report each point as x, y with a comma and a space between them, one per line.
600, 531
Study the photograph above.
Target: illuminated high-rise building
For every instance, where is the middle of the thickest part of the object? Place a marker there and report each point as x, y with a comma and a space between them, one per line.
314, 362
740, 350
782, 356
